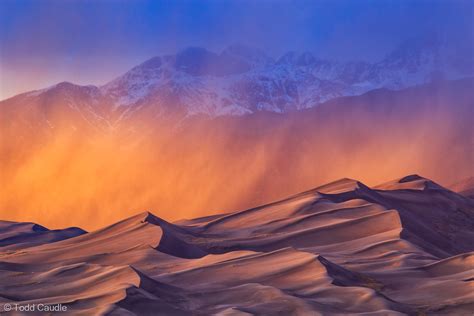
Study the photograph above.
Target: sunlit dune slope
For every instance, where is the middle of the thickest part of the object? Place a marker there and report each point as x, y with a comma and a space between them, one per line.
403, 247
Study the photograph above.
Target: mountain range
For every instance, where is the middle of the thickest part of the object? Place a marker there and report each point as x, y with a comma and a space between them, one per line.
242, 80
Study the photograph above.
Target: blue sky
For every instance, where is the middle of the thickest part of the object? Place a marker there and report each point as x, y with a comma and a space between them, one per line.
46, 41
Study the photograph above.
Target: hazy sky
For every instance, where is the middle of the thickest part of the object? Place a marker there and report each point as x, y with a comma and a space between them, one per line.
43, 42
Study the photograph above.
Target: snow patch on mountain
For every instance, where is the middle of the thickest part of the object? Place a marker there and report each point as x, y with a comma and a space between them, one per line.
242, 80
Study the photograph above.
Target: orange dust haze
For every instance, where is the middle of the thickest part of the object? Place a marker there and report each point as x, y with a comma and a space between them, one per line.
218, 165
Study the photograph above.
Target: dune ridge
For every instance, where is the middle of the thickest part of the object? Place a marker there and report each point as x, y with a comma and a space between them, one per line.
400, 248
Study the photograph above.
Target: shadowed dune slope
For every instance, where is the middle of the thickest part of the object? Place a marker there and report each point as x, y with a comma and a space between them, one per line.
464, 187
20, 235
402, 247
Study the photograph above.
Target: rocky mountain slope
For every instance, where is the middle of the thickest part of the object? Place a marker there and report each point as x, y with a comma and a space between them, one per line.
242, 80
403, 247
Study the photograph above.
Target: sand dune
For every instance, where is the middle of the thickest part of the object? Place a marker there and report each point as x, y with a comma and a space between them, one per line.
402, 247
464, 187
21, 235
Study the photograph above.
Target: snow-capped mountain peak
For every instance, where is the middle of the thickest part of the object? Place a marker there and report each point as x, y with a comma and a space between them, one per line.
241, 80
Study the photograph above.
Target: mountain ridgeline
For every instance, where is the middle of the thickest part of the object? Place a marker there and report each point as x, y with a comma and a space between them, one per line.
242, 80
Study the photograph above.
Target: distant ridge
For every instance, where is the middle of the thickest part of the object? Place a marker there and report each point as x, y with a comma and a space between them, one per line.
242, 80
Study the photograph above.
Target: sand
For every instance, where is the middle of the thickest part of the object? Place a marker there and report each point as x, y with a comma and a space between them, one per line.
403, 247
